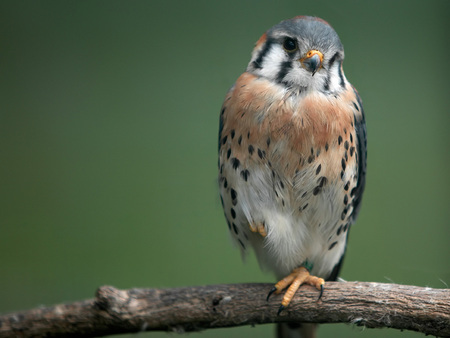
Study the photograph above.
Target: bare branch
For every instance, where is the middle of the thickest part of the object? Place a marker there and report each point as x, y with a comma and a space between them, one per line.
114, 311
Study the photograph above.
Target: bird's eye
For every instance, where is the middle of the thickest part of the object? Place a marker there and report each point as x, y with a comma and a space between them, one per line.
290, 45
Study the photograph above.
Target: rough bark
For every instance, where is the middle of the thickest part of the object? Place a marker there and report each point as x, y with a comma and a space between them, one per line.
114, 311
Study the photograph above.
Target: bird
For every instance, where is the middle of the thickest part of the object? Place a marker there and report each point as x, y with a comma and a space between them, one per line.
292, 157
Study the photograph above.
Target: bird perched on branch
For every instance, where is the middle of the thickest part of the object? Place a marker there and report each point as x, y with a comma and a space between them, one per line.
292, 157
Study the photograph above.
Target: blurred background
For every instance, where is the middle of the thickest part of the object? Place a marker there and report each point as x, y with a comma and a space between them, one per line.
108, 145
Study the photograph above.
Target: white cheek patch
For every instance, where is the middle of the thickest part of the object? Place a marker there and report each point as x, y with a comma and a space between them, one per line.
271, 64
334, 77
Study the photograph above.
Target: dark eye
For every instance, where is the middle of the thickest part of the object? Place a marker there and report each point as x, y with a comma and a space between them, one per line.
290, 45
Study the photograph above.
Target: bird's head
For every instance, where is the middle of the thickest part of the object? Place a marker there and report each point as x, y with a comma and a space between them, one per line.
303, 53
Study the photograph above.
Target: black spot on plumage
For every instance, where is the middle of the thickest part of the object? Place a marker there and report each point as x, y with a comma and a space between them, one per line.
339, 139
251, 149
281, 185
261, 153
303, 207
224, 139
346, 156
233, 213
344, 213
351, 138
248, 135
221, 200
338, 232
318, 169
326, 146
232, 134
235, 163
346, 145
304, 194
311, 158
345, 131
352, 193
268, 141
346, 186
352, 150
228, 153
343, 164
318, 152
282, 201
345, 227
345, 199
235, 229
322, 181
240, 140
222, 111
332, 245
233, 194
316, 190
245, 174
225, 183
356, 106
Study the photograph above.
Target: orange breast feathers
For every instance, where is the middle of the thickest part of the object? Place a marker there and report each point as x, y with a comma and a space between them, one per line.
261, 110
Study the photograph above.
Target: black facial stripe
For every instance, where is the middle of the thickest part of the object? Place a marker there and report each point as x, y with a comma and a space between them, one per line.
285, 68
332, 61
341, 75
326, 86
330, 64
258, 61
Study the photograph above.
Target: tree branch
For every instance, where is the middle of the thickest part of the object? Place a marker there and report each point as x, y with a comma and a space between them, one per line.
114, 311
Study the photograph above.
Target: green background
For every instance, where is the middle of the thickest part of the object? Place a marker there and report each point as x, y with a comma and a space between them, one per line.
108, 144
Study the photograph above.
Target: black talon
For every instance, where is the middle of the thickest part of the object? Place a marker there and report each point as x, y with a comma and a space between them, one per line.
282, 307
321, 292
270, 293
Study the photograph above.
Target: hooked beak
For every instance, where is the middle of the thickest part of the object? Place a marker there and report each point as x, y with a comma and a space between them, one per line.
312, 61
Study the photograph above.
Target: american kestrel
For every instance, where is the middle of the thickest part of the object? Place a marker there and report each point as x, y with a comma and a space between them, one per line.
292, 154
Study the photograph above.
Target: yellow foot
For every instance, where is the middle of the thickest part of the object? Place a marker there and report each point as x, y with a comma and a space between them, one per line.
298, 277
259, 228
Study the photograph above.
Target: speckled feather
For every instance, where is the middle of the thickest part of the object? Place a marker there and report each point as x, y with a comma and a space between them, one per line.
292, 157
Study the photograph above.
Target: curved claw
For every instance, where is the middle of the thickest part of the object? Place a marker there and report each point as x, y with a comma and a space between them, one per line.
271, 292
321, 292
282, 307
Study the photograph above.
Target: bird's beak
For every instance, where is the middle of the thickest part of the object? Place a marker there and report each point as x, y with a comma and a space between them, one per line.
312, 61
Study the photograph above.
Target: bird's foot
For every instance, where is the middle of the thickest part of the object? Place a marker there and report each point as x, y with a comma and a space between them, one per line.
298, 277
259, 228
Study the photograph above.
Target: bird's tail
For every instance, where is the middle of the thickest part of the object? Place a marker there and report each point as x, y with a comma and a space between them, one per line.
288, 330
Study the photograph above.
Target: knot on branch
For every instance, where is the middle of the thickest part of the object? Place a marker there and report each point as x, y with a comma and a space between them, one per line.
112, 300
